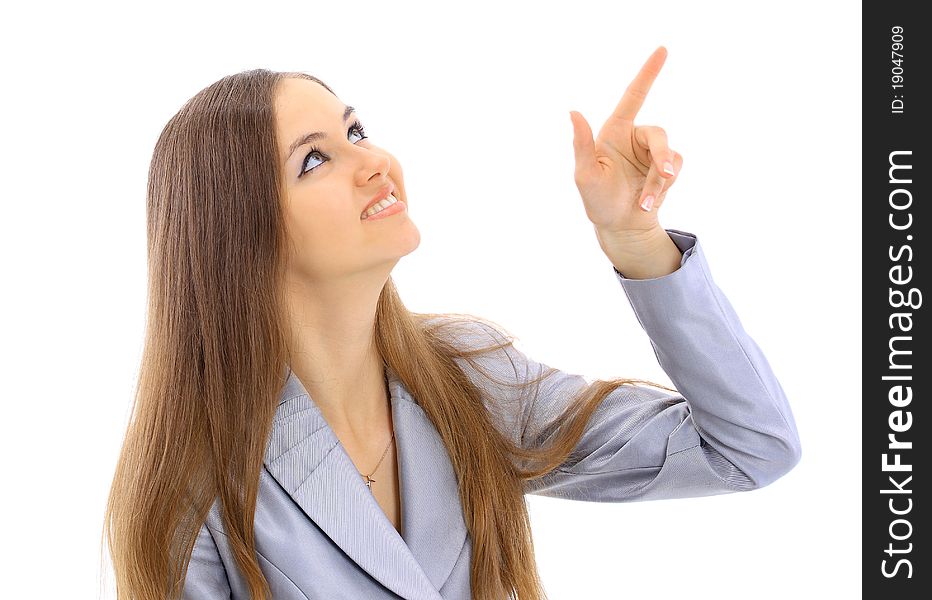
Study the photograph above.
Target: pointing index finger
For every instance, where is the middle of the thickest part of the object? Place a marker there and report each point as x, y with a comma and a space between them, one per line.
634, 95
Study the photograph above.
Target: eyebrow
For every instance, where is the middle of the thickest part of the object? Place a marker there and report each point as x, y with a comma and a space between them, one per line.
310, 137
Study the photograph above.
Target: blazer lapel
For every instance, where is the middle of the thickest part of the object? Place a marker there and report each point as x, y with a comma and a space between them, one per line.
307, 459
431, 513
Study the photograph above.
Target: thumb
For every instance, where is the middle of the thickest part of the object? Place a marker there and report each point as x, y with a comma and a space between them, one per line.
583, 145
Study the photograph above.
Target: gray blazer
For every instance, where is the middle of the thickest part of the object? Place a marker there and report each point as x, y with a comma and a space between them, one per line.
320, 534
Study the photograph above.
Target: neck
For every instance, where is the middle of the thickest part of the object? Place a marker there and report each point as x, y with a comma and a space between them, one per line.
332, 338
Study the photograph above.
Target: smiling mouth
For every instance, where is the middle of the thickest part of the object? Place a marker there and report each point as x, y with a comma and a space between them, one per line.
378, 207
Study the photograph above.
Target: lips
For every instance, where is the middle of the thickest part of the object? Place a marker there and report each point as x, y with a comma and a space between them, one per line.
387, 189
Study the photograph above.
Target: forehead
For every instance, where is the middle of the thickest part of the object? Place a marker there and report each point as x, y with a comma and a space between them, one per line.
303, 105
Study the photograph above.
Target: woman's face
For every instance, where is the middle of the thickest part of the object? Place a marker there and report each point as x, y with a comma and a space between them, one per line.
327, 190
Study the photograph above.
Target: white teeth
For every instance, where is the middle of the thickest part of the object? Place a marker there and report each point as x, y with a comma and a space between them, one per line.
379, 206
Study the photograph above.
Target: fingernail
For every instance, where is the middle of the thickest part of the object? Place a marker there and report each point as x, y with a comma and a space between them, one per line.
648, 202
668, 168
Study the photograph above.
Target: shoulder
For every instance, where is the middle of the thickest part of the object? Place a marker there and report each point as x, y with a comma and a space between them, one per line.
466, 331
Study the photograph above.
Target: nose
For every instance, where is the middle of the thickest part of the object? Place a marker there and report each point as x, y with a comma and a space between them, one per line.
374, 163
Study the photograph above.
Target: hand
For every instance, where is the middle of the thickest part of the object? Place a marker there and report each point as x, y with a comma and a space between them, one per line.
616, 173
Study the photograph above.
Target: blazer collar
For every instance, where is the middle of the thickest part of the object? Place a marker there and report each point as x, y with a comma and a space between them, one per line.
307, 459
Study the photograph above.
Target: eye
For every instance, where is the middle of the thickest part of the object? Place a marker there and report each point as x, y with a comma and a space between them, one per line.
356, 126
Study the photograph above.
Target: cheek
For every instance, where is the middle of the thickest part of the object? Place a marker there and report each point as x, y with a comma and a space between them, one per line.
321, 221
323, 232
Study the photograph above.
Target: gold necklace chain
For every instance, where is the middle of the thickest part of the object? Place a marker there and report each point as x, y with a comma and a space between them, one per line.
369, 479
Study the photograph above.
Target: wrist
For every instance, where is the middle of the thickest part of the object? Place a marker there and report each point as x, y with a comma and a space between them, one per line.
642, 254
637, 242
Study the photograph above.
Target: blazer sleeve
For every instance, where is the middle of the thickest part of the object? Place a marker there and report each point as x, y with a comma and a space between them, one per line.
728, 428
206, 577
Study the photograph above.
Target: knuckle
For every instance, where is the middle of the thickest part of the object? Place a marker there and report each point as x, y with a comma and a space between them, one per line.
636, 93
655, 131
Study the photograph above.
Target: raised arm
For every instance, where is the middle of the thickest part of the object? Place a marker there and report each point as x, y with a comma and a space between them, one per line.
730, 427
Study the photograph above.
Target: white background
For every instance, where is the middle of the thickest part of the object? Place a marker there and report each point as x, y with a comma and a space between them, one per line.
762, 100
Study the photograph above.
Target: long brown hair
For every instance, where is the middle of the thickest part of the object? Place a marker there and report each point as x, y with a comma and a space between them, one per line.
215, 357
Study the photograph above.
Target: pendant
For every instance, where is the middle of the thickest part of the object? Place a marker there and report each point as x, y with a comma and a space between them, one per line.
369, 481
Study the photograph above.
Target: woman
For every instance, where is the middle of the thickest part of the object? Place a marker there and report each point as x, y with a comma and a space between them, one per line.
298, 433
